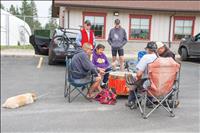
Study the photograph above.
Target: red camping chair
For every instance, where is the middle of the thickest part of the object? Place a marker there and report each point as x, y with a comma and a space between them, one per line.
163, 76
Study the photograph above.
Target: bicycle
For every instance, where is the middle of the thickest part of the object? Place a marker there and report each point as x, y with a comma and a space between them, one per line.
63, 40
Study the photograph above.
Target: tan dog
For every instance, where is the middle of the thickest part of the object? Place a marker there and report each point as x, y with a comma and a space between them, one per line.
19, 100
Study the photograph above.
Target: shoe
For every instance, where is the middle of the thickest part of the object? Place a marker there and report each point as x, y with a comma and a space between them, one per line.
103, 85
171, 104
149, 104
131, 105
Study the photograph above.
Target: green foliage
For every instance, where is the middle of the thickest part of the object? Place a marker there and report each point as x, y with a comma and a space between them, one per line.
17, 47
14, 11
2, 6
52, 24
28, 13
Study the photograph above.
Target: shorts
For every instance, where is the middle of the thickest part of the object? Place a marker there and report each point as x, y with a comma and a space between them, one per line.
119, 51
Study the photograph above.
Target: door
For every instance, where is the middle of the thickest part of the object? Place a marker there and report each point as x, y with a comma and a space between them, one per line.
40, 41
195, 45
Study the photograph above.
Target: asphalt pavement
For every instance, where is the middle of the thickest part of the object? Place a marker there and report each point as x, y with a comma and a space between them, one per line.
52, 113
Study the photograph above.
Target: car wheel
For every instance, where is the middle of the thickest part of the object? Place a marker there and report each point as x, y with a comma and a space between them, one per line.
184, 54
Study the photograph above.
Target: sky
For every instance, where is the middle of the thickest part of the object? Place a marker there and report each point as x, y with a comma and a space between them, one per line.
42, 7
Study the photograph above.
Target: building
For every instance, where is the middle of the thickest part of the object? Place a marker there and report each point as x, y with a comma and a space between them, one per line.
14, 31
166, 21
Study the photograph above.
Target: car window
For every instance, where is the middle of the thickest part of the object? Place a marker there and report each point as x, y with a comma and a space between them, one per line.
197, 38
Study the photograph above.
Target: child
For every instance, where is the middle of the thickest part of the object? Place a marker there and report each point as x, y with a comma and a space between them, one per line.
100, 60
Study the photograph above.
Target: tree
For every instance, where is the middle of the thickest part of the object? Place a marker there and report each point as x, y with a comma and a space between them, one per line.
34, 9
2, 6
17, 11
29, 11
52, 24
12, 10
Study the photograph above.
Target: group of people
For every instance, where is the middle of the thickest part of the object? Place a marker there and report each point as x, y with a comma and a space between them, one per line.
91, 58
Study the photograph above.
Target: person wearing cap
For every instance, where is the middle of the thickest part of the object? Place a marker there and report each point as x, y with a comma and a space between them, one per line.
164, 51
141, 75
86, 35
117, 39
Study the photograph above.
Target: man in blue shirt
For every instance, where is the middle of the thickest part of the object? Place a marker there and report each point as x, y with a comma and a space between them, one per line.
82, 65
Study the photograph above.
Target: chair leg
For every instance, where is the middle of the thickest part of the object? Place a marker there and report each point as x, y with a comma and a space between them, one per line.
65, 90
144, 106
69, 91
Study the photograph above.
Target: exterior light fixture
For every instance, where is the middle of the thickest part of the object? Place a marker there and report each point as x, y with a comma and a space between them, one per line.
116, 13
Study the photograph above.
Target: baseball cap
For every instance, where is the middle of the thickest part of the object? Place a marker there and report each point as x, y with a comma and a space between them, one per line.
151, 45
159, 44
87, 22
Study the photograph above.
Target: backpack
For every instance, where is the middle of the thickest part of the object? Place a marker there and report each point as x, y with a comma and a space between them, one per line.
106, 96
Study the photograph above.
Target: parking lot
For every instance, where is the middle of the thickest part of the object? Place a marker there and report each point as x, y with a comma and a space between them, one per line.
52, 113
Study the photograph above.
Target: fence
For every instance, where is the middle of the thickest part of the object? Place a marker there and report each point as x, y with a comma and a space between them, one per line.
15, 30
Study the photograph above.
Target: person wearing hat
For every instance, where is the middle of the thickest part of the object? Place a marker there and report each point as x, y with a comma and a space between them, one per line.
86, 35
117, 39
141, 75
164, 51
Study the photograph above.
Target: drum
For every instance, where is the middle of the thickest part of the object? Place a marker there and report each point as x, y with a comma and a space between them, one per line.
117, 81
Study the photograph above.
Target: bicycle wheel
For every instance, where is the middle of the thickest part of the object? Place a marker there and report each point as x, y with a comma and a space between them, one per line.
61, 42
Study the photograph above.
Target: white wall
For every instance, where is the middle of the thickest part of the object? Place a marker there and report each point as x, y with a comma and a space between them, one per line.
160, 27
159, 23
124, 20
13, 30
197, 25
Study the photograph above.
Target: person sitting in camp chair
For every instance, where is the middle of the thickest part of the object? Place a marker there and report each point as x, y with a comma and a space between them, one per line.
164, 51
100, 60
82, 65
141, 75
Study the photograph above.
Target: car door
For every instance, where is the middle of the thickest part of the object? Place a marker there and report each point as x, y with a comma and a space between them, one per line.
195, 45
40, 41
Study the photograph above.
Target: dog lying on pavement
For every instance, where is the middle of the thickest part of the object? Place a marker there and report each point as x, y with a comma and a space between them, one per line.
19, 100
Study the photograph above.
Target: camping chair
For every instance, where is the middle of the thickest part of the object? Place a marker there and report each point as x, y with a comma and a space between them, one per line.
79, 86
163, 78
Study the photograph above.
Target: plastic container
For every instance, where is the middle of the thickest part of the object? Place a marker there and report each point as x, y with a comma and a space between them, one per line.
141, 54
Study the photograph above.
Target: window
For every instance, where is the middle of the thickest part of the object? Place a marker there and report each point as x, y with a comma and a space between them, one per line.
197, 38
140, 27
183, 26
98, 21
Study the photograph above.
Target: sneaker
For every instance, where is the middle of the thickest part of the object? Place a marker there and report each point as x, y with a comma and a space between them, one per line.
171, 104
103, 85
131, 105
149, 104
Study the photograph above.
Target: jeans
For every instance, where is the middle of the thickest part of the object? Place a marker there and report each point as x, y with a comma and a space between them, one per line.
137, 85
105, 77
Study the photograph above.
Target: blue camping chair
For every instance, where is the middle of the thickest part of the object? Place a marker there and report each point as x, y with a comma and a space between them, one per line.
72, 85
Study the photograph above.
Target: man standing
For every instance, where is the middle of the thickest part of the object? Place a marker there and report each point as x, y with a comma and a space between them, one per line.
117, 39
86, 35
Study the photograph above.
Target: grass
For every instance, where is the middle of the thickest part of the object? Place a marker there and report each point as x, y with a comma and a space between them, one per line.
17, 47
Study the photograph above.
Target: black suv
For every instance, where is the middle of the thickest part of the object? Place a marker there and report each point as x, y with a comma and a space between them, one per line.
53, 46
189, 47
